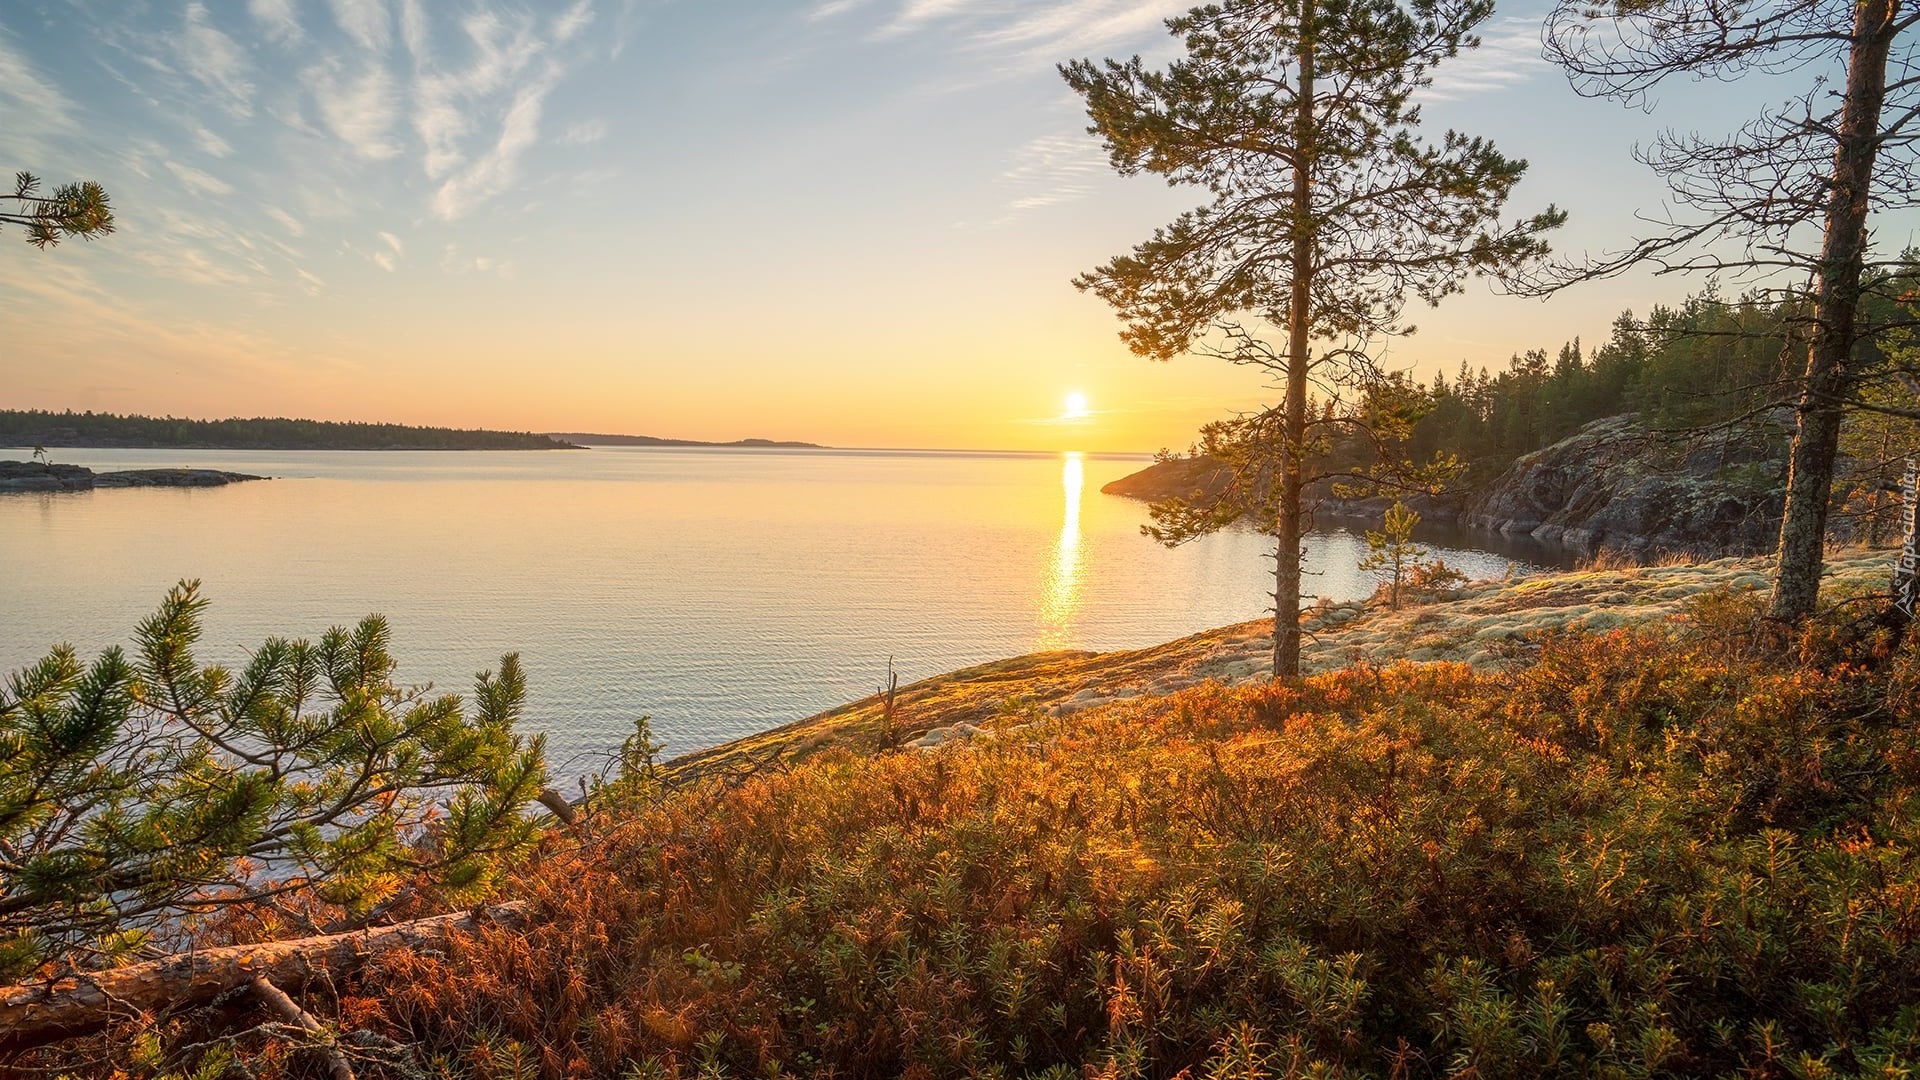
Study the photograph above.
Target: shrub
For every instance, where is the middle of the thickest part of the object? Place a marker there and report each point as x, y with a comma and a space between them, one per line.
1642, 852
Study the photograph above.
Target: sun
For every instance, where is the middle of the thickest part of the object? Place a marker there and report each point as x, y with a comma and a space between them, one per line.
1076, 407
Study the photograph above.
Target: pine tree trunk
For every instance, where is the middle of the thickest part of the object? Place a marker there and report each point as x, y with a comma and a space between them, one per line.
1288, 518
1816, 440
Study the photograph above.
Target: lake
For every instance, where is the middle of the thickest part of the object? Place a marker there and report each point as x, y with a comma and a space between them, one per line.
721, 592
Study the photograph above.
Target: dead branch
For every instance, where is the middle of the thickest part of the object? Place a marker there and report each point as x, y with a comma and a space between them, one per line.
278, 1003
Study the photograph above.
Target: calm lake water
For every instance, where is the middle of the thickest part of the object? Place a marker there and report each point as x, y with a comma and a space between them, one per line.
720, 592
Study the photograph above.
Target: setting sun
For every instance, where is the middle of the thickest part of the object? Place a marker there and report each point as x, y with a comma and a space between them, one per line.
1076, 407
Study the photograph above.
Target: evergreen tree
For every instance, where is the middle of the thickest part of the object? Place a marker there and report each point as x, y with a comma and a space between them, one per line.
1392, 549
76, 209
1328, 210
135, 791
1787, 199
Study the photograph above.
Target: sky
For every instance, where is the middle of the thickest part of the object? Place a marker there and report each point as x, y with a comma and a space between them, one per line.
853, 222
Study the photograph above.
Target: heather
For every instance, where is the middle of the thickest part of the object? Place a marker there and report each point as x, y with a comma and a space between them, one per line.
1684, 847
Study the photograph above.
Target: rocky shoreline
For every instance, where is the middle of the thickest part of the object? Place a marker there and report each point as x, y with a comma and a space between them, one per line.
1479, 624
1608, 487
34, 476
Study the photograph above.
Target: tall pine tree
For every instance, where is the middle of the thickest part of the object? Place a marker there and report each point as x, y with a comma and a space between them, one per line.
1786, 201
1327, 211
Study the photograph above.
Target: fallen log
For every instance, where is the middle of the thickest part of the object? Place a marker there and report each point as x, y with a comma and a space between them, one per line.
34, 1014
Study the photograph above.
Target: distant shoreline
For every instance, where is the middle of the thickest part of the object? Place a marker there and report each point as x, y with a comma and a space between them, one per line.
275, 447
29, 428
588, 439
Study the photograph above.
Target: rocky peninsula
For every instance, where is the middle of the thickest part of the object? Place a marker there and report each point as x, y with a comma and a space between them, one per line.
25, 476
1612, 486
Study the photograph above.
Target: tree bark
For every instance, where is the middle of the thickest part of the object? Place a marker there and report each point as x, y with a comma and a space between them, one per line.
1816, 440
38, 1013
1288, 523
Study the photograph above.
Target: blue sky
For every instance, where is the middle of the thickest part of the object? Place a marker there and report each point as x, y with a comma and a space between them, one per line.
846, 220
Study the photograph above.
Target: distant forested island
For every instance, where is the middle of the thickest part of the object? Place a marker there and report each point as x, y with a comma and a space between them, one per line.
581, 438
37, 427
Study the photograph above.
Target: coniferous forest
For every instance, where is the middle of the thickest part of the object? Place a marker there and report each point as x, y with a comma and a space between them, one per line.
38, 427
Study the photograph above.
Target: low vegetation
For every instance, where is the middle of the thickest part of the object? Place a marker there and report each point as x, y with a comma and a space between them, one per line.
1685, 846
1674, 849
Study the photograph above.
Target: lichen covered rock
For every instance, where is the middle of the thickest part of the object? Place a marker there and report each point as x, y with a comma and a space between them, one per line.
1612, 486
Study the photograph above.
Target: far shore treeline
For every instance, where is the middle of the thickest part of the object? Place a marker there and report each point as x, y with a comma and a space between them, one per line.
37, 427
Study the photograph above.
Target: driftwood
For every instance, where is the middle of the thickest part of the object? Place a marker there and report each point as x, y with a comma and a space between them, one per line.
34, 1014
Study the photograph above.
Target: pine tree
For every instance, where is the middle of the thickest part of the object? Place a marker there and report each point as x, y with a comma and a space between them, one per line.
1392, 549
1788, 199
133, 791
1328, 210
77, 209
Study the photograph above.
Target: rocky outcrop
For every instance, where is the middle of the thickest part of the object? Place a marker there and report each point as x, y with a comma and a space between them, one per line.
1612, 486
1193, 478
1609, 486
17, 476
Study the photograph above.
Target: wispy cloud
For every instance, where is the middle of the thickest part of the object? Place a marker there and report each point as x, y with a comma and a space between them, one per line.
478, 118
365, 21
912, 15
446, 102
360, 109
584, 132
393, 242
1051, 170
1078, 26
456, 261
198, 182
214, 60
287, 221
1509, 54
211, 144
277, 20
572, 21
499, 168
1006, 37
112, 336
834, 8
35, 109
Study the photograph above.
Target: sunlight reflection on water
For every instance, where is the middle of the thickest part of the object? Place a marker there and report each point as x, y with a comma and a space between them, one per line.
1062, 596
720, 592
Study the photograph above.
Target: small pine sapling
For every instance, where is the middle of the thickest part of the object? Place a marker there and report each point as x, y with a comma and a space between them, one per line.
1392, 549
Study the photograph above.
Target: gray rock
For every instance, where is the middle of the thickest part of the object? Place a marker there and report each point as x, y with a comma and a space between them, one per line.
34, 476
1612, 486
